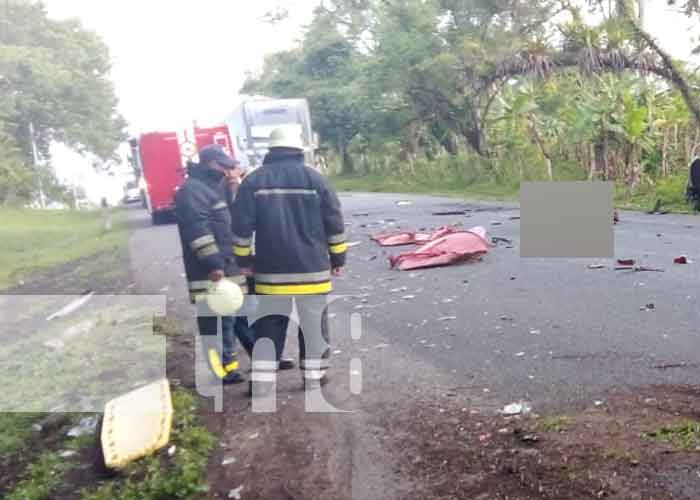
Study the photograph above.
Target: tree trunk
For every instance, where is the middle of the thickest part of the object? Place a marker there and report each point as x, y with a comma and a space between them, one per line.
664, 155
591, 162
543, 148
601, 159
602, 156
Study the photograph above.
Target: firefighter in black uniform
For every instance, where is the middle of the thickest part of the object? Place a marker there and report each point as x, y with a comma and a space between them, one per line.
204, 221
299, 244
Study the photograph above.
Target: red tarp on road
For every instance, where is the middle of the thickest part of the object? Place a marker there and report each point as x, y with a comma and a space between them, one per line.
395, 239
449, 249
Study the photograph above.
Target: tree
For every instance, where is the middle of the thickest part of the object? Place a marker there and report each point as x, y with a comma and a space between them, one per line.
324, 69
54, 78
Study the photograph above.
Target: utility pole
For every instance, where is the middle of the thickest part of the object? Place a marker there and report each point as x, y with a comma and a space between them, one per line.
37, 166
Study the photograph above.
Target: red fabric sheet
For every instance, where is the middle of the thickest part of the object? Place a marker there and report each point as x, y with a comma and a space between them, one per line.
449, 249
395, 239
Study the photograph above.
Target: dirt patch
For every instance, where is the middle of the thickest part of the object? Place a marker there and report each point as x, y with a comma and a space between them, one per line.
602, 452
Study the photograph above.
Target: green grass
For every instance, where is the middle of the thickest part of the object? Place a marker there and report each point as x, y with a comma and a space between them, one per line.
35, 240
685, 436
395, 184
553, 424
159, 477
15, 431
43, 477
91, 361
671, 192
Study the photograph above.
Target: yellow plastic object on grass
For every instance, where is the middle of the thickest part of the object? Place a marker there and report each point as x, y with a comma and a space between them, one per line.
225, 298
137, 424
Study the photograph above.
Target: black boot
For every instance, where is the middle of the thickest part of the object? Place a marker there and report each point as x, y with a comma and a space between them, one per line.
287, 364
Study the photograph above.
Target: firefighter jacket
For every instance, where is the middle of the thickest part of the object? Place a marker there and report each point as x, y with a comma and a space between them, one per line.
204, 222
298, 226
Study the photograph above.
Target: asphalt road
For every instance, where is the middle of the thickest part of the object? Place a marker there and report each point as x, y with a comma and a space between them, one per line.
550, 331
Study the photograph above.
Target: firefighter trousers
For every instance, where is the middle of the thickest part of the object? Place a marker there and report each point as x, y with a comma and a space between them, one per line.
232, 328
313, 331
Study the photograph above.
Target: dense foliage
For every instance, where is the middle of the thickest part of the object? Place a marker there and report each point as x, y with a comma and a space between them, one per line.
54, 75
503, 90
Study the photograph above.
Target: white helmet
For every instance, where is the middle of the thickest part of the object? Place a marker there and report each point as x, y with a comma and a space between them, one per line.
286, 137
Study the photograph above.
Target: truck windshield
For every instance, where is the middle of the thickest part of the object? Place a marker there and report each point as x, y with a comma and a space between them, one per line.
265, 117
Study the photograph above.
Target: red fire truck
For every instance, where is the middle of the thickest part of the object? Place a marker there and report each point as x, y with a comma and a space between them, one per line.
161, 158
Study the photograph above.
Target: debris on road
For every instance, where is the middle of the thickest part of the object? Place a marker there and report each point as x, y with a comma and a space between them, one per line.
519, 354
670, 366
86, 426
639, 269
404, 203
530, 438
73, 306
626, 262
447, 250
648, 307
128, 435
596, 266
681, 260
354, 244
447, 318
450, 212
229, 461
485, 437
408, 297
497, 240
496, 223
361, 215
236, 493
400, 238
515, 217
519, 408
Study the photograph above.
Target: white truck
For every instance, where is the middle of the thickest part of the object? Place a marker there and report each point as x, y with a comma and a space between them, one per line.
253, 120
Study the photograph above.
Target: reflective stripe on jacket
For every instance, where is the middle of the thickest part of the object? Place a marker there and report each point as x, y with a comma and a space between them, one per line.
204, 223
298, 225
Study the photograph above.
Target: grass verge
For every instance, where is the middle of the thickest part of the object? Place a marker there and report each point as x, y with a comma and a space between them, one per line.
376, 184
39, 239
43, 477
15, 430
685, 436
669, 192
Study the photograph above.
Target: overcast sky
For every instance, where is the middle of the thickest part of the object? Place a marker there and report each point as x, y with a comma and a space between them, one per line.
175, 61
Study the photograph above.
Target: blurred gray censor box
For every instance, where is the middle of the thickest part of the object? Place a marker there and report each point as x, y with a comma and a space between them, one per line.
567, 219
